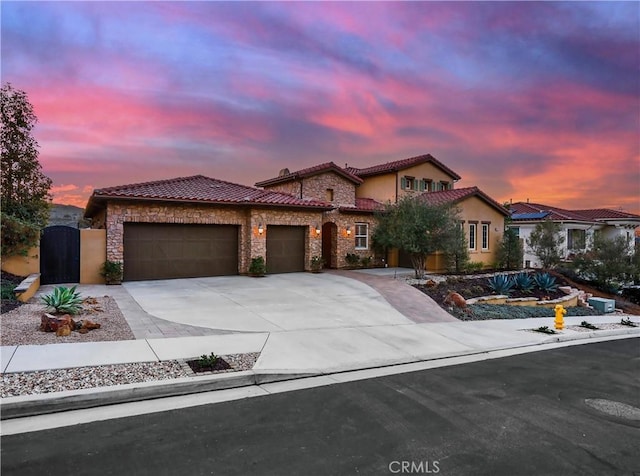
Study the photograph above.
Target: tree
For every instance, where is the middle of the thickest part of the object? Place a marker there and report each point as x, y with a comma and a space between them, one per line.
510, 252
456, 250
25, 189
546, 242
418, 228
609, 262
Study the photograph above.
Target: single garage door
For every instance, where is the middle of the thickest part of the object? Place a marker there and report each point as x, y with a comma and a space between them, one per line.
165, 251
285, 249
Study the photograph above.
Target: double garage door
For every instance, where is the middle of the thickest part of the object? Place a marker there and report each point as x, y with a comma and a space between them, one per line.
166, 251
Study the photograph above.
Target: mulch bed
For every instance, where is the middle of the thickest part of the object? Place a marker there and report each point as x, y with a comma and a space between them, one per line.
219, 366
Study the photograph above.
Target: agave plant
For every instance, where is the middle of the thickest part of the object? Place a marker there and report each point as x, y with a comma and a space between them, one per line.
524, 282
501, 284
64, 300
546, 282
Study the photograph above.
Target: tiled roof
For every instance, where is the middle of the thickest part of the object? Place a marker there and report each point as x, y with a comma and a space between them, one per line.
308, 172
398, 165
557, 214
455, 195
365, 205
200, 189
607, 214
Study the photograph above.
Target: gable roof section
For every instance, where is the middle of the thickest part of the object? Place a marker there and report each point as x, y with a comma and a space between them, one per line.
607, 214
199, 189
364, 205
456, 195
552, 213
396, 166
309, 172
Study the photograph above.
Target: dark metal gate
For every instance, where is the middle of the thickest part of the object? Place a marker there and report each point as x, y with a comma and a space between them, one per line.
60, 255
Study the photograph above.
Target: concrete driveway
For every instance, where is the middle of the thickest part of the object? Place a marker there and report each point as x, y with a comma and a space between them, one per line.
280, 302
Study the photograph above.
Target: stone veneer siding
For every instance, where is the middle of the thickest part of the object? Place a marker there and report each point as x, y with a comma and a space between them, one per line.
250, 243
315, 188
347, 243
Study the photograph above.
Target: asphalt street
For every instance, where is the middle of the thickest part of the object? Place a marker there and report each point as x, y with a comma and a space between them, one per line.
568, 411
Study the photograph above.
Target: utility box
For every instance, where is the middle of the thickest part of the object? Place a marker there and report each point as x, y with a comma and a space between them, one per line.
602, 305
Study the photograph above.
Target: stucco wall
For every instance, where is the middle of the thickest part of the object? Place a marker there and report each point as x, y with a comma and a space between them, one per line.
23, 265
379, 187
93, 253
473, 209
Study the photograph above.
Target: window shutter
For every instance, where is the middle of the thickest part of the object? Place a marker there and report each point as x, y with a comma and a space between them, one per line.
422, 184
403, 183
415, 184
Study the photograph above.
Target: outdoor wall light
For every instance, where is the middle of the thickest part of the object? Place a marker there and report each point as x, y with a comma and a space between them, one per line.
317, 229
260, 229
348, 230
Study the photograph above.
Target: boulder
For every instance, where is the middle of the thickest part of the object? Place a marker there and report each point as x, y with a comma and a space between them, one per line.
51, 323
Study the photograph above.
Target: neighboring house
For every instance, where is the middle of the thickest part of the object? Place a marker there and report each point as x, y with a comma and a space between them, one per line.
200, 226
577, 226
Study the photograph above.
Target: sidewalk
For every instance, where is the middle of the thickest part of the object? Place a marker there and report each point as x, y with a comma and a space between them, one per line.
284, 355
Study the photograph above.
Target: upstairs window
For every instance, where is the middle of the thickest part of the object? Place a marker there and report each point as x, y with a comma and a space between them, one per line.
362, 236
329, 195
408, 183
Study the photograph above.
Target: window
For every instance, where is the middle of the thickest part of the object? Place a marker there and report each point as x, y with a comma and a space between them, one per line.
443, 186
408, 183
362, 236
485, 236
424, 185
516, 230
472, 236
576, 239
329, 195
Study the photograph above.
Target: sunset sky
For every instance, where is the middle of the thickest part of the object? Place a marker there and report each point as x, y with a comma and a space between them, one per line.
524, 100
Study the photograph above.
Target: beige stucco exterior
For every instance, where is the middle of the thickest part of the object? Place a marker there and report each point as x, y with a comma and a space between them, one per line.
475, 210
388, 187
23, 265
93, 253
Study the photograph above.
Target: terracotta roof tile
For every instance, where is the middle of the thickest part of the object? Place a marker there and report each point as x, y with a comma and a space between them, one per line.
366, 205
607, 214
455, 195
199, 188
398, 165
555, 213
309, 172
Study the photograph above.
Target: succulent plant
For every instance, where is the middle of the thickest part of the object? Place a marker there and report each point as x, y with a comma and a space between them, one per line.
64, 300
524, 282
501, 284
546, 282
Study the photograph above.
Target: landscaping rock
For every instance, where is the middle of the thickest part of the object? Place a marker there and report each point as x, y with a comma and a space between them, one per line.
51, 323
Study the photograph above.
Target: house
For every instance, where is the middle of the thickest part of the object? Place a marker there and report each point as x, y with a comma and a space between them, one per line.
577, 226
201, 226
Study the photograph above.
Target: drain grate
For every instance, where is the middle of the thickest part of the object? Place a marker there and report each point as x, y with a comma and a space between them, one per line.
617, 409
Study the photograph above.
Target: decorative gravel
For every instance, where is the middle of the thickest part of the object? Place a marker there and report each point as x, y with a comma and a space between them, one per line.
21, 326
47, 381
600, 327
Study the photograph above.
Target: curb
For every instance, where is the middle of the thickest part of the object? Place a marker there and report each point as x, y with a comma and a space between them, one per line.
43, 404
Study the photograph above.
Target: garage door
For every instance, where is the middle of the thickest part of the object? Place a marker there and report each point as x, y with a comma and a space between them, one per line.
285, 249
165, 251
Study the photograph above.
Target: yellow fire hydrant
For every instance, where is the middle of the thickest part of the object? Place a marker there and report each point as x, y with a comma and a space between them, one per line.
560, 312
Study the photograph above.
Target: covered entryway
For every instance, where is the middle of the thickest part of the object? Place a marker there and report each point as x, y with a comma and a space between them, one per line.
285, 248
166, 251
60, 255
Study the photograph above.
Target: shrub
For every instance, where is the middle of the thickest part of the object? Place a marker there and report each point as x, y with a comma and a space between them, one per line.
588, 325
366, 261
545, 330
257, 267
501, 284
352, 259
18, 235
316, 263
474, 266
7, 291
111, 271
208, 360
632, 293
524, 282
64, 300
546, 282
